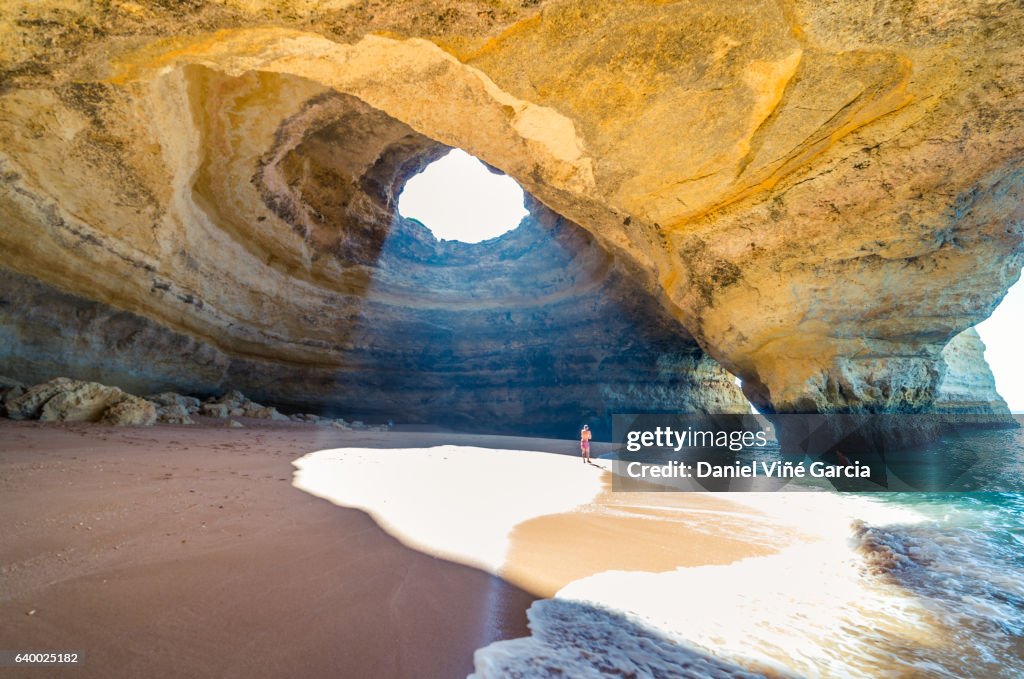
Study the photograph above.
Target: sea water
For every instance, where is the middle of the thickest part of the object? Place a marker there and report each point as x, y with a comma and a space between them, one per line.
888, 585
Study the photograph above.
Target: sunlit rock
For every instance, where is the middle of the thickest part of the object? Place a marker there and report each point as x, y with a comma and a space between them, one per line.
820, 195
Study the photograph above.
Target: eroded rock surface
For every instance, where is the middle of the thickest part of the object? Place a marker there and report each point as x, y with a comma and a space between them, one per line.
967, 385
66, 400
822, 194
518, 334
130, 411
80, 402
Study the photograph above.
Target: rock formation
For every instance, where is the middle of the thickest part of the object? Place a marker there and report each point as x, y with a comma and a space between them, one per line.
967, 385
522, 334
66, 400
131, 412
819, 195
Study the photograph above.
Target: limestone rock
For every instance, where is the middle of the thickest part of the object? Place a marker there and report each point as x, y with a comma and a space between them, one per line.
9, 389
7, 385
262, 412
173, 414
29, 405
253, 409
967, 385
233, 399
235, 424
169, 398
130, 411
80, 402
214, 410
816, 195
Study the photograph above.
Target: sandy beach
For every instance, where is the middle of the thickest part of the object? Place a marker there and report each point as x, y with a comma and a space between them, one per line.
188, 548
287, 549
185, 551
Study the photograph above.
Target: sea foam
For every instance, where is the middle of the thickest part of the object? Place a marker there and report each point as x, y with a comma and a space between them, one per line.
572, 639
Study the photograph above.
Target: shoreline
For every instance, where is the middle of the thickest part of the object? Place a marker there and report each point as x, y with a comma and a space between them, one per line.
294, 549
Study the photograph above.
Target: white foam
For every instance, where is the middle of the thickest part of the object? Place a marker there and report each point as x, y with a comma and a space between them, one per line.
571, 639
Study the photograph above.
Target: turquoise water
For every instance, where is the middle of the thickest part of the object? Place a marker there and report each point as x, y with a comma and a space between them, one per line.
966, 558
966, 562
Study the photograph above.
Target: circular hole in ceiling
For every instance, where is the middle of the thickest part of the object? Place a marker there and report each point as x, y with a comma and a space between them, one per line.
458, 198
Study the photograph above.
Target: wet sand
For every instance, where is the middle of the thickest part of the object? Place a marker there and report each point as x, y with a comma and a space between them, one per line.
650, 532
185, 551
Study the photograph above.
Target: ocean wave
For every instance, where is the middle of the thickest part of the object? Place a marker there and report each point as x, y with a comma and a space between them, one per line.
973, 580
574, 639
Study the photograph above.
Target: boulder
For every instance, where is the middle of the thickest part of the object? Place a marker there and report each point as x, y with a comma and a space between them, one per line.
80, 402
169, 398
214, 410
232, 399
28, 405
173, 414
9, 389
264, 412
235, 424
7, 384
131, 411
253, 409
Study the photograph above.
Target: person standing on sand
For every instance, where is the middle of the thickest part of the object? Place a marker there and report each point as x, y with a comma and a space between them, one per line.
585, 437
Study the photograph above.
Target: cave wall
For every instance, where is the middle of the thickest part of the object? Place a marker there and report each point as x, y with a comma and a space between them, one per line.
288, 274
46, 332
534, 332
821, 194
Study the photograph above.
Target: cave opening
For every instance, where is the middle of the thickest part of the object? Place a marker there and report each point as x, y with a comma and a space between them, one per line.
1001, 334
459, 198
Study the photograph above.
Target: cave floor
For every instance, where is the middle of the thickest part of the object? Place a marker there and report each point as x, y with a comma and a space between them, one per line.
186, 551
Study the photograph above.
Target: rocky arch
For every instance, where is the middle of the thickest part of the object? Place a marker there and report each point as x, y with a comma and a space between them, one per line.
279, 265
821, 197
